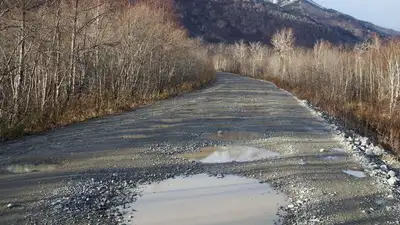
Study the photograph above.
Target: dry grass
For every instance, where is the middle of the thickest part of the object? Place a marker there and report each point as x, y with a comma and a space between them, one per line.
359, 85
65, 61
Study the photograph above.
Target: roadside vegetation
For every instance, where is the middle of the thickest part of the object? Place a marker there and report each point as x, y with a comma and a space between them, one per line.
63, 61
359, 85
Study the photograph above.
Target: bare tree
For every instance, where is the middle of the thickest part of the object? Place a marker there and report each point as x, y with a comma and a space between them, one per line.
67, 60
359, 85
283, 41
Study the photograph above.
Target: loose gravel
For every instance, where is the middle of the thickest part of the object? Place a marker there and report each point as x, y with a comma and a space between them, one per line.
102, 161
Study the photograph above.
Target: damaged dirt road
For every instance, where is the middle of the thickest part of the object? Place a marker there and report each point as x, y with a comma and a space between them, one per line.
85, 173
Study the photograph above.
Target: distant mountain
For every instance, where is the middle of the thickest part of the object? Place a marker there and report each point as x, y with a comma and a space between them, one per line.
330, 17
283, 3
257, 20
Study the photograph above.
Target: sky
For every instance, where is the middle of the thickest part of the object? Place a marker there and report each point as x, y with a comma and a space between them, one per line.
384, 13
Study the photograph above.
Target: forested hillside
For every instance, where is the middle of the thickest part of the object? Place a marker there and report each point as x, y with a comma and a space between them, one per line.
229, 21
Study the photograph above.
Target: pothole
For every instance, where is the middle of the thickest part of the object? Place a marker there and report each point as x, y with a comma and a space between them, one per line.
235, 136
203, 200
355, 173
224, 154
29, 168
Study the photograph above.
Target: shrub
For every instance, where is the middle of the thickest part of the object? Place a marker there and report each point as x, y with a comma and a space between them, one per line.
360, 85
68, 60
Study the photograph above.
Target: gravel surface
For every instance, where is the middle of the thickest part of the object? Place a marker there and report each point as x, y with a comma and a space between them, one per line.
89, 169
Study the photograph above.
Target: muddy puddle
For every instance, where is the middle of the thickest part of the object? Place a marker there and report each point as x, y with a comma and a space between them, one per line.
225, 154
205, 200
235, 136
29, 168
355, 173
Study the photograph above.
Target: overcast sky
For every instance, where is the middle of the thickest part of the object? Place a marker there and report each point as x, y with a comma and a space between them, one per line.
384, 13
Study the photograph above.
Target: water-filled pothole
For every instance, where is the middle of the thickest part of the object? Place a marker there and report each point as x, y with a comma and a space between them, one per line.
28, 168
235, 136
224, 154
203, 200
355, 173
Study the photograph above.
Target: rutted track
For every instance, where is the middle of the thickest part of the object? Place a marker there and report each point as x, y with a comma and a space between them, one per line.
92, 165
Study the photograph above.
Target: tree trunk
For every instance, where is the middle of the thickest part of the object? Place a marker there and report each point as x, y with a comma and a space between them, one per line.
57, 36
73, 48
19, 78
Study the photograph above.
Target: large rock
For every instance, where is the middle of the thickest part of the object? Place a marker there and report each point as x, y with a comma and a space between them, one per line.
392, 173
392, 181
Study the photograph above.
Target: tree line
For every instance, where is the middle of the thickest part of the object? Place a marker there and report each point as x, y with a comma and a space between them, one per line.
63, 61
360, 85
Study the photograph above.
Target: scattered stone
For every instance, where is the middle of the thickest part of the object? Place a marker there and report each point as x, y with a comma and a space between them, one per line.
380, 202
365, 141
392, 181
299, 202
302, 162
375, 166
338, 132
350, 139
366, 211
220, 175
392, 173
369, 152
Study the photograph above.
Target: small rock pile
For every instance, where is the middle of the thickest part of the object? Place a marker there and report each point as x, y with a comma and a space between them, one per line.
364, 151
92, 201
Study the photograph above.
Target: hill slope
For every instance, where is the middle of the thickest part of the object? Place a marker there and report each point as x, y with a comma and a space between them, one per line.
330, 17
257, 20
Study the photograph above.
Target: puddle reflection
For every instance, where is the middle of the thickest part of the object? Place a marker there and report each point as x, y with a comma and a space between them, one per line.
224, 154
355, 173
205, 200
